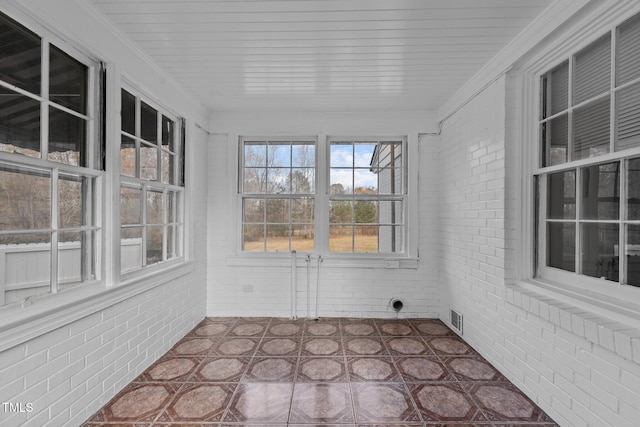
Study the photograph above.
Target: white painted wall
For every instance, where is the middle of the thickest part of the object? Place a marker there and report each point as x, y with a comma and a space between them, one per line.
68, 373
237, 286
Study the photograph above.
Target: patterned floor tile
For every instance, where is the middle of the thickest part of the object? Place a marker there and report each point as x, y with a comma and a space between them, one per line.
271, 369
321, 369
445, 402
279, 347
248, 329
383, 403
358, 328
137, 402
211, 329
285, 328
431, 327
472, 369
450, 346
325, 346
364, 369
193, 347
221, 369
396, 328
260, 403
199, 402
504, 402
407, 346
174, 369
364, 346
420, 369
236, 347
321, 403
322, 328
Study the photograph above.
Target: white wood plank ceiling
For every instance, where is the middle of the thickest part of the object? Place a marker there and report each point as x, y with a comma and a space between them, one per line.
321, 55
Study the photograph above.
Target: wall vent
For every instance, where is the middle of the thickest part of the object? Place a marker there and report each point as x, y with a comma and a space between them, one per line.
456, 321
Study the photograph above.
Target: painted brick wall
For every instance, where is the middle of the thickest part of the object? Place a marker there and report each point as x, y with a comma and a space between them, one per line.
263, 289
577, 382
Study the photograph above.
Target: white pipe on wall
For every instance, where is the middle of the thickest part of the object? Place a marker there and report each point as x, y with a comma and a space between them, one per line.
294, 285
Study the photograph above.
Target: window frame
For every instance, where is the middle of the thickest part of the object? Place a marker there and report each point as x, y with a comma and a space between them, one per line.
178, 188
322, 196
531, 252
93, 170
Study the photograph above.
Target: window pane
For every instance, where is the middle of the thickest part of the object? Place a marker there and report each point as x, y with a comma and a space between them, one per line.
253, 210
155, 207
148, 123
67, 81
128, 113
279, 155
167, 161
341, 181
363, 154
67, 138
277, 238
72, 205
341, 155
302, 238
20, 63
390, 212
254, 180
633, 189
365, 212
390, 239
365, 238
302, 211
28, 265
633, 255
255, 155
591, 130
601, 191
278, 211
148, 162
130, 206
555, 93
561, 195
278, 181
561, 245
303, 156
600, 250
302, 181
628, 117
628, 51
167, 134
154, 244
253, 238
128, 158
592, 70
130, 248
26, 199
340, 238
365, 182
73, 265
19, 124
555, 138
340, 212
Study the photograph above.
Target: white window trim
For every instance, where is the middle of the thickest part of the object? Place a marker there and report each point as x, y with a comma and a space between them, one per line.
609, 315
408, 259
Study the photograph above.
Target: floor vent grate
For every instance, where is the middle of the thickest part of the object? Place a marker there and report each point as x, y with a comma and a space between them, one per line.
456, 321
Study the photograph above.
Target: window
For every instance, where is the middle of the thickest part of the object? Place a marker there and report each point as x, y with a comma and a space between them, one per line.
278, 186
589, 176
352, 202
49, 167
367, 196
152, 185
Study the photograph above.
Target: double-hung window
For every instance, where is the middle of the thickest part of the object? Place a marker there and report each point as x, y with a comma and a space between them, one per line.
367, 195
588, 210
350, 199
278, 187
50, 166
152, 184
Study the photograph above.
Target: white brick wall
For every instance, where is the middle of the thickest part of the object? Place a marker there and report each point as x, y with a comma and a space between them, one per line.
536, 342
263, 290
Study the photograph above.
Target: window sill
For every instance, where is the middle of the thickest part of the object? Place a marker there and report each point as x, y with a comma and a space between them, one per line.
607, 323
331, 261
21, 323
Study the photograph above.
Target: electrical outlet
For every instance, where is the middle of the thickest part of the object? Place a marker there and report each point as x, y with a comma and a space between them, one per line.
391, 264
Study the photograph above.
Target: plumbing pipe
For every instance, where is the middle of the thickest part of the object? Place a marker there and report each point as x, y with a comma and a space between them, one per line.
318, 283
308, 261
294, 285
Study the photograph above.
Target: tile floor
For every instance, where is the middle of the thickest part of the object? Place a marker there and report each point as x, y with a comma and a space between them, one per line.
332, 372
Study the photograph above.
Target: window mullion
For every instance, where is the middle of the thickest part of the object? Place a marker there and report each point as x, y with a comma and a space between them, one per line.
622, 228
578, 249
44, 106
